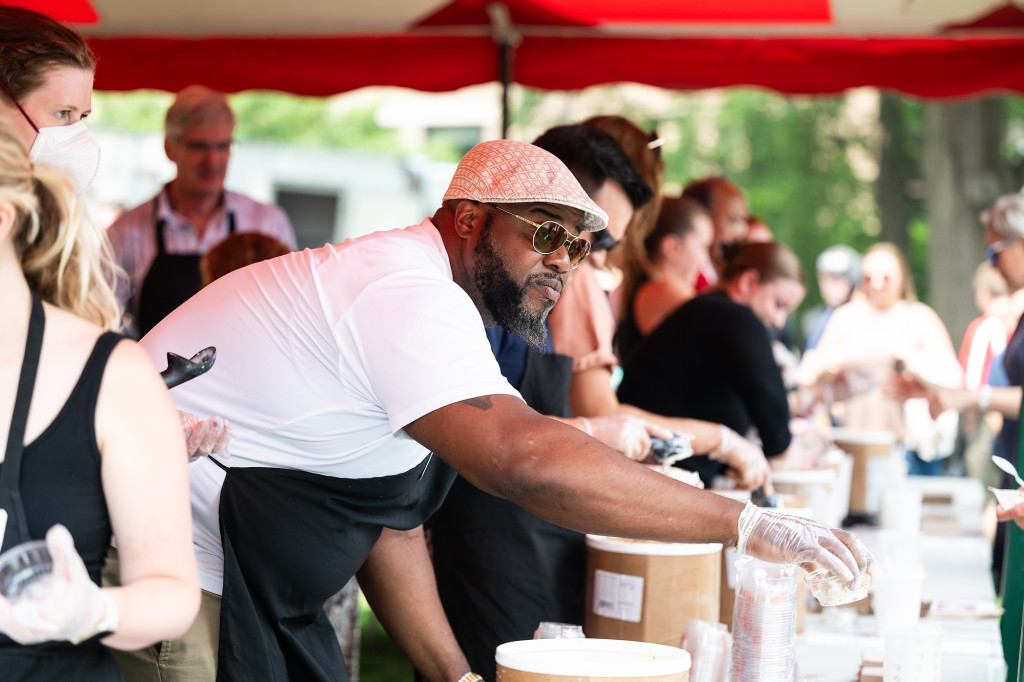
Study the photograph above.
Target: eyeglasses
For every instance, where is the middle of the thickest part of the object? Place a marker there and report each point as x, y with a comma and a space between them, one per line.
550, 237
993, 250
200, 147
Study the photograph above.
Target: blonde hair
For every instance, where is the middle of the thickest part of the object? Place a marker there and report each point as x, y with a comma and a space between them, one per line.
64, 257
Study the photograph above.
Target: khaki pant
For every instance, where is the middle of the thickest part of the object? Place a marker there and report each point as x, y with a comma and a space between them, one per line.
191, 658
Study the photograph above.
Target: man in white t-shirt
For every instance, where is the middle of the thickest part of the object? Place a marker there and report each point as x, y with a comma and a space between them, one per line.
357, 376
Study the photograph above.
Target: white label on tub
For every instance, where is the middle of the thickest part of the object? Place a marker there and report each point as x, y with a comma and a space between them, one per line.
618, 596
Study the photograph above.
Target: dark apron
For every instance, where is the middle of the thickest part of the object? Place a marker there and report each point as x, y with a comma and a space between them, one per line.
56, 661
501, 570
292, 539
173, 278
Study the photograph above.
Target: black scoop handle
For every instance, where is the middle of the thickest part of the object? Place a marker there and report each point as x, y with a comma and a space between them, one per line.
179, 370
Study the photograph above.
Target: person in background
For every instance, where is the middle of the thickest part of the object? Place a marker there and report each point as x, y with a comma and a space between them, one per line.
712, 359
1004, 247
758, 230
838, 269
644, 150
984, 342
583, 328
159, 243
84, 403
46, 74
664, 277
359, 375
729, 214
237, 251
880, 334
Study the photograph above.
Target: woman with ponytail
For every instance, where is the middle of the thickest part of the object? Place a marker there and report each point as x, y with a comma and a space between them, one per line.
93, 445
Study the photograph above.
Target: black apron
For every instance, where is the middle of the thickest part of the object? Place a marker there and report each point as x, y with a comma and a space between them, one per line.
173, 278
56, 661
501, 570
292, 539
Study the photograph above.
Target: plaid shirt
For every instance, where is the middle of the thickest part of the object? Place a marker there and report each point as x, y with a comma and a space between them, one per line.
133, 236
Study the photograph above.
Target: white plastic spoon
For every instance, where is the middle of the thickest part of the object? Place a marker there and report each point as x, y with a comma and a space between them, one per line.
1008, 468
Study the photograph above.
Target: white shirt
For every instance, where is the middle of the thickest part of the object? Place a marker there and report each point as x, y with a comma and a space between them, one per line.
323, 356
133, 235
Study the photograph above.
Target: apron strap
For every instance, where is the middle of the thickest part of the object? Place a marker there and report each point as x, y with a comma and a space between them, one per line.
10, 472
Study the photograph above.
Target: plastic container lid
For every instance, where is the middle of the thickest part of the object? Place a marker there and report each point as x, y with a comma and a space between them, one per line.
802, 476
598, 658
863, 436
651, 548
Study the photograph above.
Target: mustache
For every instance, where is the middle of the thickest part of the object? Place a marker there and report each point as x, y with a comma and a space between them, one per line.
553, 280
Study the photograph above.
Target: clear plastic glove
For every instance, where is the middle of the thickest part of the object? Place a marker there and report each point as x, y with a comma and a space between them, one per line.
629, 435
205, 436
747, 463
66, 605
784, 538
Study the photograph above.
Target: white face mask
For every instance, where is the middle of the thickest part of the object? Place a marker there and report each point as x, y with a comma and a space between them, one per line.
72, 150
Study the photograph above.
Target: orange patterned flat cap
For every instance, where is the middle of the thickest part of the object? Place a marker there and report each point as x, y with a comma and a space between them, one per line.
510, 172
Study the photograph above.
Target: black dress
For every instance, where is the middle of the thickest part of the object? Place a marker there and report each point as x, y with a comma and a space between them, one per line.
711, 359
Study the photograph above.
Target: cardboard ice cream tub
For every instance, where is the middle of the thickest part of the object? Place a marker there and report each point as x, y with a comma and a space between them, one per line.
590, 660
870, 451
649, 591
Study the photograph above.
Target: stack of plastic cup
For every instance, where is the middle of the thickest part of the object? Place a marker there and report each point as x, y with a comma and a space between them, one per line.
709, 645
896, 599
901, 509
549, 630
912, 654
764, 623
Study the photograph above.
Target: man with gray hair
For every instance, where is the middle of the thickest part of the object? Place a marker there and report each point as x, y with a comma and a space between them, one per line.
159, 243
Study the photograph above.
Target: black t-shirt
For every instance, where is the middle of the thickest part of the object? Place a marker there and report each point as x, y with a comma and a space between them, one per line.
711, 359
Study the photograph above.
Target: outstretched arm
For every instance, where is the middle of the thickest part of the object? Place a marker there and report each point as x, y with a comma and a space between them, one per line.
398, 581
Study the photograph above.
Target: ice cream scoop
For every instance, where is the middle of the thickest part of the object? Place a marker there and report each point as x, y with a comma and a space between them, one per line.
179, 370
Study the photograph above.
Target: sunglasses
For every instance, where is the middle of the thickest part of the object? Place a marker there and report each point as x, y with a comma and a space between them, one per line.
550, 237
992, 251
603, 242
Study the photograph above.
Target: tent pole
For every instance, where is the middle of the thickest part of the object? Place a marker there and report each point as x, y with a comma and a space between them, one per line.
506, 80
507, 38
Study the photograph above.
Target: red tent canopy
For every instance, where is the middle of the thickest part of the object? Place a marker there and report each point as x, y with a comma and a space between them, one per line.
929, 48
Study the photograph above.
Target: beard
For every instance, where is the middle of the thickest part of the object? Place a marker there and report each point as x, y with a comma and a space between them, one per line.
503, 298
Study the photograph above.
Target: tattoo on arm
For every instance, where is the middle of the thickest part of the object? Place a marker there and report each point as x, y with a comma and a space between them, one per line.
481, 403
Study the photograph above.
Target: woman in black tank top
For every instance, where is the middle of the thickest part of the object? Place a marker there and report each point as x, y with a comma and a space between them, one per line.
93, 445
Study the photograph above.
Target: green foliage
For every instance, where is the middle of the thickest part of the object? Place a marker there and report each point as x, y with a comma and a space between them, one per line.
142, 110
261, 116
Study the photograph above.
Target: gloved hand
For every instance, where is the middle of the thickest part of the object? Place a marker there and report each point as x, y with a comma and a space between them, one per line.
784, 538
205, 436
746, 462
65, 605
628, 434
